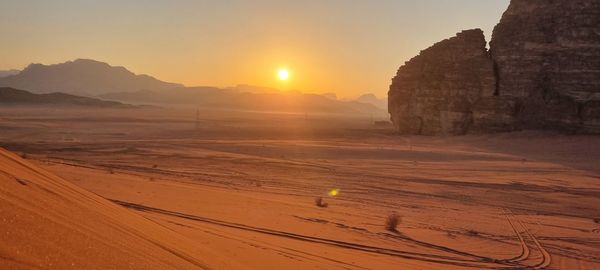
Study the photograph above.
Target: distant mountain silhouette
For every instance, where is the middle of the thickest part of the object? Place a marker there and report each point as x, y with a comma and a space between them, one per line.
372, 99
82, 77
330, 95
246, 88
96, 79
210, 97
6, 73
11, 96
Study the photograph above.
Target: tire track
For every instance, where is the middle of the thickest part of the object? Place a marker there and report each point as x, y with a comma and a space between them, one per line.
440, 259
524, 248
546, 259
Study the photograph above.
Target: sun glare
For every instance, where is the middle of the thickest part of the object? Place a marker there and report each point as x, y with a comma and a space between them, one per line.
283, 74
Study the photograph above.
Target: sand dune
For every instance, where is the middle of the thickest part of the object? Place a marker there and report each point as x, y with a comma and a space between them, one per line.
49, 223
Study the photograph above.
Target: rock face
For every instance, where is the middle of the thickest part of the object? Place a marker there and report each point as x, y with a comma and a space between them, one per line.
433, 93
548, 56
542, 71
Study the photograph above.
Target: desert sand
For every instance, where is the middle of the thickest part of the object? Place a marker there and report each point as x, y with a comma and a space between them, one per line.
148, 190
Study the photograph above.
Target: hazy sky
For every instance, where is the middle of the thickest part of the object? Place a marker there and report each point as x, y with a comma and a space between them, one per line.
348, 47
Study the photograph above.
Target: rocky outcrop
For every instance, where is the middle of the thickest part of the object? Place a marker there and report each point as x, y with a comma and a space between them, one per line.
495, 114
545, 59
548, 56
434, 92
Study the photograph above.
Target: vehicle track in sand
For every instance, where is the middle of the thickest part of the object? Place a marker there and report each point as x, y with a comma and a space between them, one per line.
524, 248
546, 258
455, 259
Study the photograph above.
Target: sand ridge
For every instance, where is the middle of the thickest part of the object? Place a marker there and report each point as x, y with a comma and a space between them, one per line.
49, 223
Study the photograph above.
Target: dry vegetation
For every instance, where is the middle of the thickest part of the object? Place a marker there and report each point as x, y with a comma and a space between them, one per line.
392, 221
319, 202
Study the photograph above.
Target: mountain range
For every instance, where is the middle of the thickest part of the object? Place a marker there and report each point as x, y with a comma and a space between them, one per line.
372, 99
216, 98
82, 77
6, 73
13, 96
90, 78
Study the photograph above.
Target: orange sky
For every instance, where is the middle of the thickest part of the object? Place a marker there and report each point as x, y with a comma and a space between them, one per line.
346, 47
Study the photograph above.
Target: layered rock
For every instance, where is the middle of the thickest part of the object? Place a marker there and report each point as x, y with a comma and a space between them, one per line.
548, 56
543, 68
434, 92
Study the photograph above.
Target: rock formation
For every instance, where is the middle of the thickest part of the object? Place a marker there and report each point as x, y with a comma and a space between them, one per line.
542, 71
434, 92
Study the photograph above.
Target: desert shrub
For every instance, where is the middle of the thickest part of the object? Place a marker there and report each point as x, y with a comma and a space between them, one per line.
597, 220
392, 221
155, 166
320, 202
472, 233
24, 156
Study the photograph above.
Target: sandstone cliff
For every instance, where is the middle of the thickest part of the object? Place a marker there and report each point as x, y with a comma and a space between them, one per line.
548, 56
542, 71
434, 92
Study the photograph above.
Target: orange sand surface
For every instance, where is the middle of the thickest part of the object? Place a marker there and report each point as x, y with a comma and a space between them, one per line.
239, 194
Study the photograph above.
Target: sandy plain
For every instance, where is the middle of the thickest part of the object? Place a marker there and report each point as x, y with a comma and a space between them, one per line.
236, 190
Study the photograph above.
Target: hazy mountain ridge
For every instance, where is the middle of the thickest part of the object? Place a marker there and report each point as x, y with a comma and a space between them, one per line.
97, 79
208, 97
82, 77
6, 73
21, 97
372, 99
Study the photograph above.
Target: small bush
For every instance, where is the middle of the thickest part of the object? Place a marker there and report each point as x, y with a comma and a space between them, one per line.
472, 233
597, 220
392, 221
24, 156
154, 166
320, 202
111, 171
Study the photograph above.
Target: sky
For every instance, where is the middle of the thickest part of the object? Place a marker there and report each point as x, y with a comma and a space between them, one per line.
347, 47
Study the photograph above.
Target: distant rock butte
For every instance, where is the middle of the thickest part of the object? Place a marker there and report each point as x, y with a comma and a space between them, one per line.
542, 72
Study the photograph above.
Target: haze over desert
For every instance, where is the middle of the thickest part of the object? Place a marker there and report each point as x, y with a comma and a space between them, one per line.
481, 153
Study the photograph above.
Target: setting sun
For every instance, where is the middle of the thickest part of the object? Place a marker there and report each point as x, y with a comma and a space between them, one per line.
283, 74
